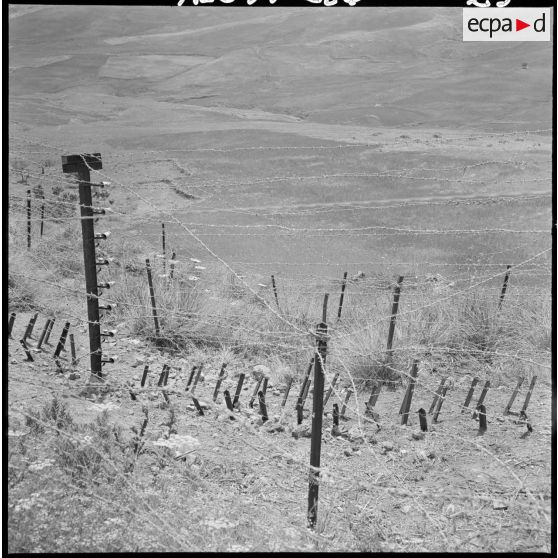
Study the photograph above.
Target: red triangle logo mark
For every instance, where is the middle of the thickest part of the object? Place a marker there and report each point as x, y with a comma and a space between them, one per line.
519, 25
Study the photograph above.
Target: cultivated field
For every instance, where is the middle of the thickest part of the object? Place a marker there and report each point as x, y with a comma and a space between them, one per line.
280, 149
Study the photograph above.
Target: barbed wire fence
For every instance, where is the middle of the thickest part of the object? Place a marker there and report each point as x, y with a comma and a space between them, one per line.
450, 322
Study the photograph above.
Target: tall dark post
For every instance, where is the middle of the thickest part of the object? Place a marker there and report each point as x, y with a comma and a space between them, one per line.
82, 164
343, 285
28, 219
152, 295
275, 291
73, 349
504, 287
317, 415
42, 214
172, 264
394, 308
164, 248
49, 331
11, 323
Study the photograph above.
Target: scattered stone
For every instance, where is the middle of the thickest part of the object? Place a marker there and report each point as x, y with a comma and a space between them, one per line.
74, 376
348, 452
387, 446
418, 435
499, 505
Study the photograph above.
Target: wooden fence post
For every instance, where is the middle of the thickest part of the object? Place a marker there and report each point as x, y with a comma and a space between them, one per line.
409, 394
342, 296
28, 219
43, 334
317, 414
82, 164
394, 308
504, 287
275, 291
152, 295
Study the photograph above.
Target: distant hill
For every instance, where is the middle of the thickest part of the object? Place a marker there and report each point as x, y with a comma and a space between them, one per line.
364, 66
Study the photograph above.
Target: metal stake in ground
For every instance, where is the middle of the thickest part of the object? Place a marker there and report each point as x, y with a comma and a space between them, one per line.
49, 331
228, 400
482, 418
343, 285
263, 407
152, 296
331, 388
317, 415
470, 394
43, 334
344, 407
219, 380
504, 287
62, 340
287, 390
144, 376
28, 219
406, 405
409, 394
194, 368
275, 291
197, 379
11, 323
483, 394
82, 165
514, 395
437, 395
164, 248
304, 382
255, 392
441, 400
42, 215
26, 348
528, 396
377, 387
30, 326
172, 264
73, 349
422, 419
238, 389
